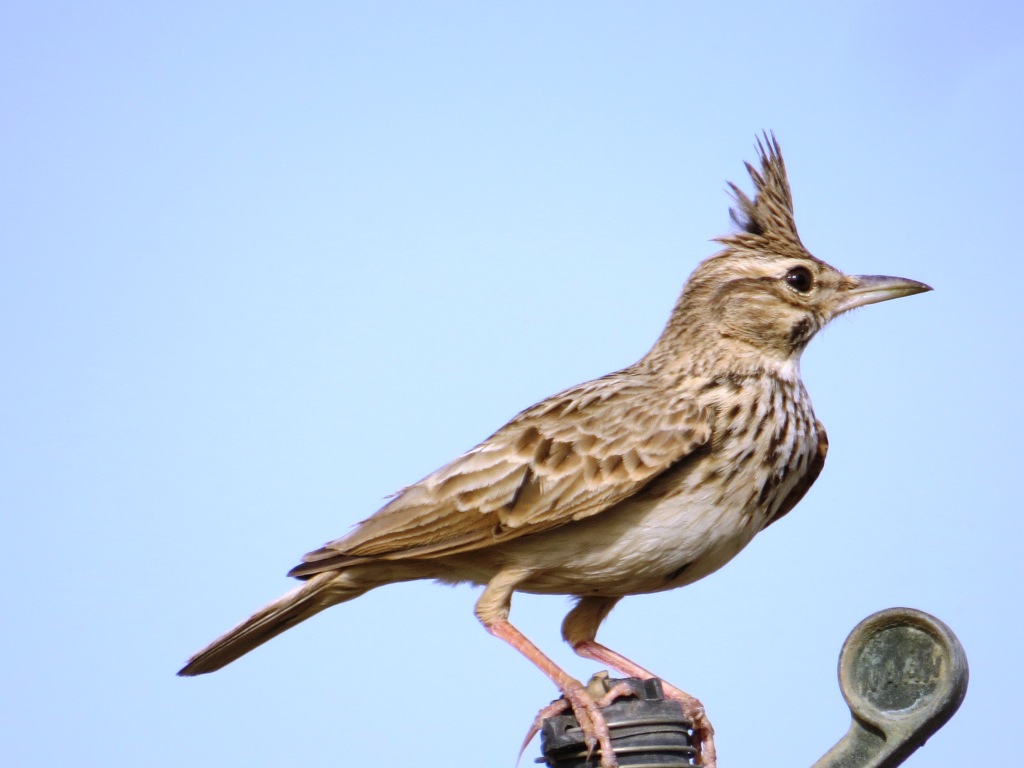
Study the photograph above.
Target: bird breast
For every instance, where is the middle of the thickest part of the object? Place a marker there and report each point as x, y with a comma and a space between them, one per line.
696, 516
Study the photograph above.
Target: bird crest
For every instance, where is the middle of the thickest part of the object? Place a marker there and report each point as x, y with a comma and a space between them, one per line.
769, 215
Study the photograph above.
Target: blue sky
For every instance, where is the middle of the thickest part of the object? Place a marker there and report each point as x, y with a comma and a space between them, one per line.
263, 264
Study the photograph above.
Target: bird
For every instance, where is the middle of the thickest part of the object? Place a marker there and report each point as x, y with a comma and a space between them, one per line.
644, 480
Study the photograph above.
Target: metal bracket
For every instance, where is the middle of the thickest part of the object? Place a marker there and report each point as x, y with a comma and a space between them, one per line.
904, 674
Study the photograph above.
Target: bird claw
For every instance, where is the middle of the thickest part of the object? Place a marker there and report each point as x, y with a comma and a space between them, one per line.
704, 732
592, 724
586, 704
556, 707
617, 691
707, 755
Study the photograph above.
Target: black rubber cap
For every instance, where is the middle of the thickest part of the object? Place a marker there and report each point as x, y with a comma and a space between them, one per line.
646, 730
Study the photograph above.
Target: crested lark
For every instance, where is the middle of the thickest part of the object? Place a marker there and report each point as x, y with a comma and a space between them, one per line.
646, 479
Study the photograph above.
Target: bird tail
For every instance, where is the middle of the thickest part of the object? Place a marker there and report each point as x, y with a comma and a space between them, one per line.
319, 592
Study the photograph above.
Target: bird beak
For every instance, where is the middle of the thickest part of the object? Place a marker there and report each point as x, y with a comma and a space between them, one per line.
861, 290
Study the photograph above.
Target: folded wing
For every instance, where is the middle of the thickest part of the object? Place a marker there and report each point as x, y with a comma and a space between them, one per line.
609, 439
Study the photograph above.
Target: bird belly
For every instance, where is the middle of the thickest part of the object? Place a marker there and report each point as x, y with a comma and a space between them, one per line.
673, 533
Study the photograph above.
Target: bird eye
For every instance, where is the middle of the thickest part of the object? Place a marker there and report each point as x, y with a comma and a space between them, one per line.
799, 279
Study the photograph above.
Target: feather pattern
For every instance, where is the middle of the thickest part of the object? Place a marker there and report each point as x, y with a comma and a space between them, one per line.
562, 460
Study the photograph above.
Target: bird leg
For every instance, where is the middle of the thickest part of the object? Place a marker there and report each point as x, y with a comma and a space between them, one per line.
693, 710
584, 707
492, 610
579, 630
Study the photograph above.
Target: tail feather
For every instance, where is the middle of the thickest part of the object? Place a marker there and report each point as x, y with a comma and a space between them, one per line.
318, 593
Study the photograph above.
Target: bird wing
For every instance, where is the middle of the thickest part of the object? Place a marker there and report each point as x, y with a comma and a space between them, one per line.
564, 459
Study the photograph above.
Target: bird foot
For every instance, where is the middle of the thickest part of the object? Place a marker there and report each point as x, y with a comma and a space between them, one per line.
693, 710
591, 699
556, 707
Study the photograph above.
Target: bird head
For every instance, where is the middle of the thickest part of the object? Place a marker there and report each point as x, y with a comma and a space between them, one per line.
764, 297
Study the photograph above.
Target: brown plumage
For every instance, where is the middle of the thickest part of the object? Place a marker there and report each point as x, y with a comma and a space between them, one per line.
646, 479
